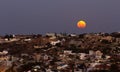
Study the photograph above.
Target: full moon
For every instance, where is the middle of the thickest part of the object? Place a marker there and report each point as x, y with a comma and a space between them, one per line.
81, 24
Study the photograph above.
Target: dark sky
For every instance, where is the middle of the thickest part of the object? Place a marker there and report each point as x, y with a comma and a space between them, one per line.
41, 16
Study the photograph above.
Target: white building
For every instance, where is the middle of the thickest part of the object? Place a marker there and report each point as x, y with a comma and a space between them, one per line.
55, 42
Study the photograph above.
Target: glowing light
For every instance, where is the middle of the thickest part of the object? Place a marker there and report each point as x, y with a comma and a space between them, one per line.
81, 24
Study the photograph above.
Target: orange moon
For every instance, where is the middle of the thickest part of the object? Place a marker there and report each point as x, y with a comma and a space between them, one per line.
81, 24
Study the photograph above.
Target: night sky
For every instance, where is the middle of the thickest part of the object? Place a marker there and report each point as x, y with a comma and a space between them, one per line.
41, 16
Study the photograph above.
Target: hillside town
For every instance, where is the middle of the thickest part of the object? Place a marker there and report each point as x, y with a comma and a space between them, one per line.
60, 52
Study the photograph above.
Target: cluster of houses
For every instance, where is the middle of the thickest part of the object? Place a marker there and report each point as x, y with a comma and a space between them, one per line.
63, 52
